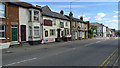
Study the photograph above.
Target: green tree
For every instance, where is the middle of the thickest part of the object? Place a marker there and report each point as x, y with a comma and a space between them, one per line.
93, 27
90, 33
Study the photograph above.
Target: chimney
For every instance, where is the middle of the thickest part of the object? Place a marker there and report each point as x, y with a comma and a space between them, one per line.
62, 12
38, 6
71, 14
81, 18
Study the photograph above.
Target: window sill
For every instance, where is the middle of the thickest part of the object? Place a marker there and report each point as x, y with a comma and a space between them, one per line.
3, 17
2, 38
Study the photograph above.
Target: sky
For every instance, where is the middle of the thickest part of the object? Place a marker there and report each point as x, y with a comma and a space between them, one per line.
101, 12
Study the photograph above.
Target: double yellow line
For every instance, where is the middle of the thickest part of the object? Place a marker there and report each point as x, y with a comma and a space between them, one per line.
111, 55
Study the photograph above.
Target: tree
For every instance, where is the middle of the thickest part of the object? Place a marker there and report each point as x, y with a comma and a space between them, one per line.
90, 33
93, 27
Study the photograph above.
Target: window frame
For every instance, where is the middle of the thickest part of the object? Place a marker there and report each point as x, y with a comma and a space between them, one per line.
36, 30
2, 31
52, 32
2, 10
35, 15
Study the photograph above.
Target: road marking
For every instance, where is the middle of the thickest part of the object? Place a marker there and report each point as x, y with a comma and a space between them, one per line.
107, 58
20, 62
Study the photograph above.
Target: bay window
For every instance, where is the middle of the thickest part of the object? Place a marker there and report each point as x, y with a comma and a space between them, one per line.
36, 15
2, 10
36, 31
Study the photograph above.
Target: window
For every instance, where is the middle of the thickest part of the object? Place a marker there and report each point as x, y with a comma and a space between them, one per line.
79, 25
79, 34
36, 31
74, 24
36, 15
82, 25
62, 24
66, 23
68, 31
2, 31
46, 33
52, 32
2, 10
54, 20
30, 15
85, 26
30, 31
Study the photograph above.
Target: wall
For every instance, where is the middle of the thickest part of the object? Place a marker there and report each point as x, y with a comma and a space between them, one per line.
23, 20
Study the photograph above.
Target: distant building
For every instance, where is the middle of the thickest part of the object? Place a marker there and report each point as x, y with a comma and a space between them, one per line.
99, 31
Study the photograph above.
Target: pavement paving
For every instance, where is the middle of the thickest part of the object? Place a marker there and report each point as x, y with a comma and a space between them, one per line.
75, 53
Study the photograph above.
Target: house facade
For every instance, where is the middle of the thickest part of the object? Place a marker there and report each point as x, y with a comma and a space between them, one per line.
9, 23
79, 28
99, 31
56, 26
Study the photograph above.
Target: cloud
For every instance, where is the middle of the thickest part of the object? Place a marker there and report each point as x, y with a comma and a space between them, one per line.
87, 18
100, 16
116, 12
115, 16
112, 21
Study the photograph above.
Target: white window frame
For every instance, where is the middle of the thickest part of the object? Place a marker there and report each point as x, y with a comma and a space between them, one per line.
54, 21
52, 30
36, 31
79, 25
30, 31
2, 10
34, 15
2, 31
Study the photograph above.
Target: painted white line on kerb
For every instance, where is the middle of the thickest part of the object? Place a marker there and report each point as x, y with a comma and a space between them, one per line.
20, 62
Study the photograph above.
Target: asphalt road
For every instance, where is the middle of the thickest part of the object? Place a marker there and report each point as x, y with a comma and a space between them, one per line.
77, 53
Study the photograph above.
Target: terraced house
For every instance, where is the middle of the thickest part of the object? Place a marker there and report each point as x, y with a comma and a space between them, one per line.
56, 26
9, 23
79, 28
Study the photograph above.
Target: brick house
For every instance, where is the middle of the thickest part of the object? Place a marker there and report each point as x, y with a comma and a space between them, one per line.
79, 28
9, 22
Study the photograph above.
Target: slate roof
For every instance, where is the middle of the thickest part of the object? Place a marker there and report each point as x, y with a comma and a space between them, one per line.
24, 4
50, 13
75, 19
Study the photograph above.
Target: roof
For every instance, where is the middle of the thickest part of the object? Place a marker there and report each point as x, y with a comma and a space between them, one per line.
96, 24
75, 19
48, 12
24, 4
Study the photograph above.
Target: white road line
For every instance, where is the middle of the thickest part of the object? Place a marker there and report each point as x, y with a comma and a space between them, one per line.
20, 62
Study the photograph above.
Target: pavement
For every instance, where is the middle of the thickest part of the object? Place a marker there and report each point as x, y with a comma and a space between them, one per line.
92, 52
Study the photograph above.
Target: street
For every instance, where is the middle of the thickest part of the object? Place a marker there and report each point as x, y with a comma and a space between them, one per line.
94, 52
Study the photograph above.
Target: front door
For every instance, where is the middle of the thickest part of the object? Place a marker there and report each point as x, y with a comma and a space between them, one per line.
23, 33
14, 33
58, 33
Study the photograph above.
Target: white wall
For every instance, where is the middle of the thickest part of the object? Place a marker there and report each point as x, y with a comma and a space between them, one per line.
23, 20
104, 31
57, 26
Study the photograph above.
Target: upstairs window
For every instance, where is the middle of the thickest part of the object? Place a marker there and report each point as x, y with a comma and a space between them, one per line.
30, 15
54, 21
36, 15
82, 25
2, 10
79, 25
74, 24
85, 26
66, 23
62, 24
2, 31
